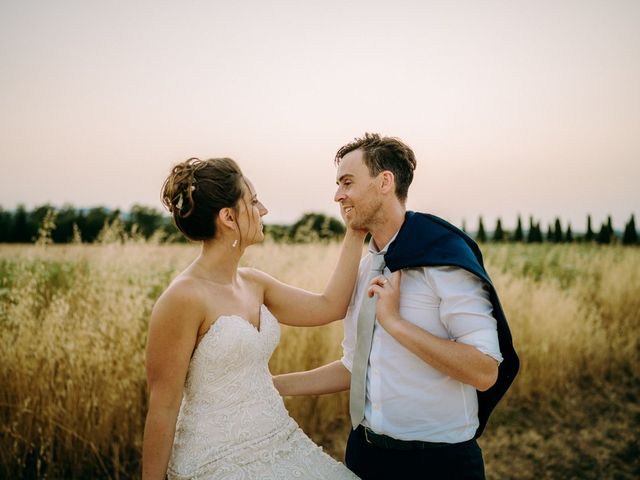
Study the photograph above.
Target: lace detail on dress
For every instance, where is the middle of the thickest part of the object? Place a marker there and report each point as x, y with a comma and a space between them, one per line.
232, 422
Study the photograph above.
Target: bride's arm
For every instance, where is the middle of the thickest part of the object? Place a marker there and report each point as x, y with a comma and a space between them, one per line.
173, 330
295, 306
330, 378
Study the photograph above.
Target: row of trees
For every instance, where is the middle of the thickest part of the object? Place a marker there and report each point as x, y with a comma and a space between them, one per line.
68, 224
556, 234
71, 224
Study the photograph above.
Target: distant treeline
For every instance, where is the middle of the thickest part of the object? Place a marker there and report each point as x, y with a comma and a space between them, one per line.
556, 234
72, 225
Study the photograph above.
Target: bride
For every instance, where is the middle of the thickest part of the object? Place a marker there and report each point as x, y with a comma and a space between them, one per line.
213, 410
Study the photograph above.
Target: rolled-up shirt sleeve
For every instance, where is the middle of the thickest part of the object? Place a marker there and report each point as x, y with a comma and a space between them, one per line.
465, 309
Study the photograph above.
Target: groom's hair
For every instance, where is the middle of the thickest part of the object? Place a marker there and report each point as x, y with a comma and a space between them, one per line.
384, 153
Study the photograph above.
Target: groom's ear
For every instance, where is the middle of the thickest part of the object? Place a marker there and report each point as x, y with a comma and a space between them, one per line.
388, 181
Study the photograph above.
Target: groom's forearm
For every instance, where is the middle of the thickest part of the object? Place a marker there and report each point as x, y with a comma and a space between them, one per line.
330, 378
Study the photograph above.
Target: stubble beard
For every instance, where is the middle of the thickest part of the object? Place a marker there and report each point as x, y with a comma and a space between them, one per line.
371, 216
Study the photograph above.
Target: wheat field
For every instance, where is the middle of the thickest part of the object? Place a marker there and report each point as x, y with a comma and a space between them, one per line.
73, 325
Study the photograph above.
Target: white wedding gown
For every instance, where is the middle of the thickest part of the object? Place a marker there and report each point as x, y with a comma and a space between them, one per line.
232, 422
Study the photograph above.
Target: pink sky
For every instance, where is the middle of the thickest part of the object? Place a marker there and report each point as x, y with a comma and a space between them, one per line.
511, 107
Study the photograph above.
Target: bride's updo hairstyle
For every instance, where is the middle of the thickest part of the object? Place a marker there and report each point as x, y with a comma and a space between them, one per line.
196, 190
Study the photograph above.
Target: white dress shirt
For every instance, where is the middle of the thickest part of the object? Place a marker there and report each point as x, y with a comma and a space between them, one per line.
407, 398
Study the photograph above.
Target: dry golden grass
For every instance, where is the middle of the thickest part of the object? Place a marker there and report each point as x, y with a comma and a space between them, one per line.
73, 328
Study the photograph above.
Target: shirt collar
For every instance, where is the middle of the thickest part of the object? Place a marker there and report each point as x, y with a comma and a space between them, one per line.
372, 245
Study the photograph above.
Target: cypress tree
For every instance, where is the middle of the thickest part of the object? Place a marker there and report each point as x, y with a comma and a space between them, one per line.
589, 236
549, 233
557, 232
538, 233
612, 234
630, 236
604, 235
531, 233
535, 234
518, 235
498, 234
569, 236
481, 236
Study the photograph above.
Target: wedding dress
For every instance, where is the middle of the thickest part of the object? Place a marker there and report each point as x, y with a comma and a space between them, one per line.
232, 422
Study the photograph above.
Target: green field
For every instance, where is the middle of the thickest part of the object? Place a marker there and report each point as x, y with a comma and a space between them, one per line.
73, 329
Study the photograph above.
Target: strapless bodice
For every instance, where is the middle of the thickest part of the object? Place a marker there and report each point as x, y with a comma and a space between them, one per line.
233, 423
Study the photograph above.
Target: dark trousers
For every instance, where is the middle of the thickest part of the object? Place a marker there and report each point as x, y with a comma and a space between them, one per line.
451, 461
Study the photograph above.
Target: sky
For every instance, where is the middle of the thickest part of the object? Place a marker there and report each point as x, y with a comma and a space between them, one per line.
511, 107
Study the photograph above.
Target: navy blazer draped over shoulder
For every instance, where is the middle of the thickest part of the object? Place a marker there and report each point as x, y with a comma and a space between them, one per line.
425, 240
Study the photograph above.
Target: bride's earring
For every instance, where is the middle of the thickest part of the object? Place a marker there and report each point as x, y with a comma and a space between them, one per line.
235, 243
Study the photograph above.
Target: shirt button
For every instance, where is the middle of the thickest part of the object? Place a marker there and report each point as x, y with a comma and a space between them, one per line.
376, 406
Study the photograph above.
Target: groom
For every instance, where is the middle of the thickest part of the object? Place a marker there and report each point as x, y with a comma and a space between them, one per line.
427, 351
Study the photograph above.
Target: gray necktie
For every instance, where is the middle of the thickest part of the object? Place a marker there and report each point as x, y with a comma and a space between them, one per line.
366, 321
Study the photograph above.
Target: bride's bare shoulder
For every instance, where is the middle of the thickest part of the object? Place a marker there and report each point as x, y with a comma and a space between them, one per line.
184, 295
257, 278
254, 274
250, 273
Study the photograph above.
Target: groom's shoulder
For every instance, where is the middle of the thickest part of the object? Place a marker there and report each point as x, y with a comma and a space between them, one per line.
431, 228
428, 239
429, 220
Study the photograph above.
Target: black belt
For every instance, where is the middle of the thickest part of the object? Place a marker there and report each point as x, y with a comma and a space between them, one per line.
385, 441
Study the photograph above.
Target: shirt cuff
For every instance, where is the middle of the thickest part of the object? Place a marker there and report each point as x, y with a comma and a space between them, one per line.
486, 341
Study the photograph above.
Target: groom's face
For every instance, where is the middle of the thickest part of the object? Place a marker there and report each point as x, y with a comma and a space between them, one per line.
358, 192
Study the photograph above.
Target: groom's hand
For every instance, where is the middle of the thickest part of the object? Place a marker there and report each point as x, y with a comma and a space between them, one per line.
388, 305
